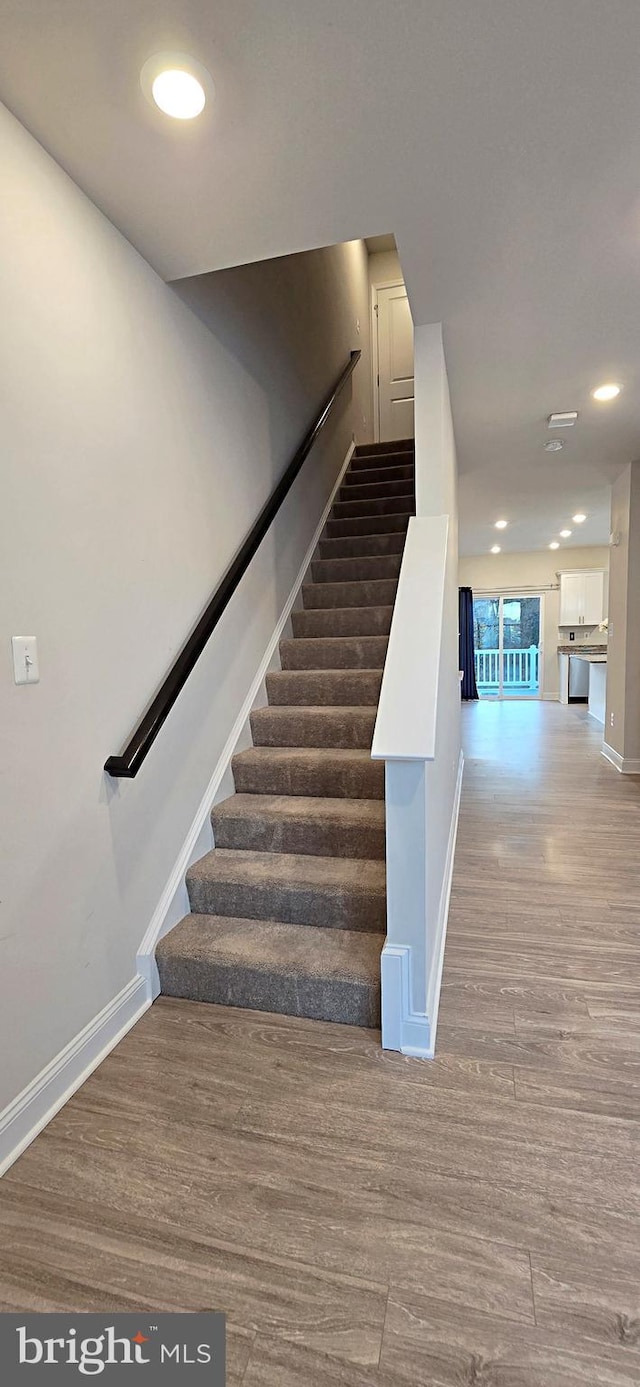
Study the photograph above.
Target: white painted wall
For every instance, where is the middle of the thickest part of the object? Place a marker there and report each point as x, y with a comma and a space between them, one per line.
138, 446
385, 268
623, 663
538, 572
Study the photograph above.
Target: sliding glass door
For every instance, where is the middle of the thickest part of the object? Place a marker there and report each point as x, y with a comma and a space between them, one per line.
507, 631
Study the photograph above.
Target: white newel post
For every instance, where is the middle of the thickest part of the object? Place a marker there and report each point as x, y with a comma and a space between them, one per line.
417, 730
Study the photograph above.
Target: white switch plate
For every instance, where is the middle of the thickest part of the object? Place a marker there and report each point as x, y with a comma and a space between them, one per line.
25, 659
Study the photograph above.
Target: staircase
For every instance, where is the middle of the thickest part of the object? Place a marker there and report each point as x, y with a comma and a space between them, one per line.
288, 911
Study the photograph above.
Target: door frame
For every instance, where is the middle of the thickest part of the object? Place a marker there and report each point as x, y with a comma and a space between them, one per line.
395, 283
504, 595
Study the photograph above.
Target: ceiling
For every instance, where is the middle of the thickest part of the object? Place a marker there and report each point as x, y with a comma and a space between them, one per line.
500, 142
375, 244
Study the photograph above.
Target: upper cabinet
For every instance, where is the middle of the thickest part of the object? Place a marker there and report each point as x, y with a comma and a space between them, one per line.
582, 598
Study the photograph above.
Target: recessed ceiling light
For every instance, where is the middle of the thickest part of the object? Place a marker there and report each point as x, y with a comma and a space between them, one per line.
178, 94
606, 392
495, 549
501, 524
553, 446
564, 534
578, 519
177, 84
554, 544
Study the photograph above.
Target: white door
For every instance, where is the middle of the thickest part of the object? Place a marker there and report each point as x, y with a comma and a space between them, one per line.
395, 364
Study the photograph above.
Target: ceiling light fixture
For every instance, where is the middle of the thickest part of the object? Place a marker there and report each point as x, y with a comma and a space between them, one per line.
564, 534
578, 519
501, 524
495, 549
177, 84
606, 392
565, 420
554, 544
553, 446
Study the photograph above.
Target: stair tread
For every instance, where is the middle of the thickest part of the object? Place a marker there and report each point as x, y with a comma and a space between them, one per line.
364, 812
382, 449
357, 592
333, 652
325, 710
323, 688
360, 476
275, 945
356, 568
353, 527
358, 876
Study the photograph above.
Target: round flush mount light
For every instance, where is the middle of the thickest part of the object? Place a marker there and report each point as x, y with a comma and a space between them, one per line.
606, 392
177, 84
495, 549
554, 544
564, 534
501, 524
579, 518
554, 445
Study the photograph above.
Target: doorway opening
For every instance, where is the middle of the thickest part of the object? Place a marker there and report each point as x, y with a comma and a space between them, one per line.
508, 645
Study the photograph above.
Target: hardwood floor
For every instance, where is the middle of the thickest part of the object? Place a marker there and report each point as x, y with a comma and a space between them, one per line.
366, 1219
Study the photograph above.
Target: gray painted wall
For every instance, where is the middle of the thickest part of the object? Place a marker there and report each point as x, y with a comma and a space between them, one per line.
143, 427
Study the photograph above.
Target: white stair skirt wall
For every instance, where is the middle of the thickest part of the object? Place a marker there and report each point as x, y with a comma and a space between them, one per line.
423, 780
418, 726
174, 902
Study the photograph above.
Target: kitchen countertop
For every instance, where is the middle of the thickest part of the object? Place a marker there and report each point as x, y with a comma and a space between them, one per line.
583, 651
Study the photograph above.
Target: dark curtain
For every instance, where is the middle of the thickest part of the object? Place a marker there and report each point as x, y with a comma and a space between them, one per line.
467, 646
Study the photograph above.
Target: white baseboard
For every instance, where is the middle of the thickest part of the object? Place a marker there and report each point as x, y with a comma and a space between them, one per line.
173, 904
26, 1116
414, 1033
551, 697
626, 766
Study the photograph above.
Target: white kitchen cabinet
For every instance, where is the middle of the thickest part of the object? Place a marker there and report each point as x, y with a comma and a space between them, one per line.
582, 598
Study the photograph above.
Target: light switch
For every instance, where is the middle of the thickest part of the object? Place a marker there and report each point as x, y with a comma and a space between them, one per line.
25, 659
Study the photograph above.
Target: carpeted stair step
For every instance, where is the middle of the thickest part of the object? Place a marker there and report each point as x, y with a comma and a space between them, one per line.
302, 726
362, 476
362, 546
328, 772
334, 652
375, 491
322, 974
324, 688
356, 569
371, 592
381, 462
382, 505
343, 621
286, 823
353, 526
333, 892
397, 445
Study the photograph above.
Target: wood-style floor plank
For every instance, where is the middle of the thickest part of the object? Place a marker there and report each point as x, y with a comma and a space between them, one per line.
361, 1217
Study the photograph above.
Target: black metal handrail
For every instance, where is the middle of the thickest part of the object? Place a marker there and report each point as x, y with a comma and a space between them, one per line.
128, 763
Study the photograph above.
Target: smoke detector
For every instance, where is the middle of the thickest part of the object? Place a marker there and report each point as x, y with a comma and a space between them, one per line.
563, 421
554, 445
